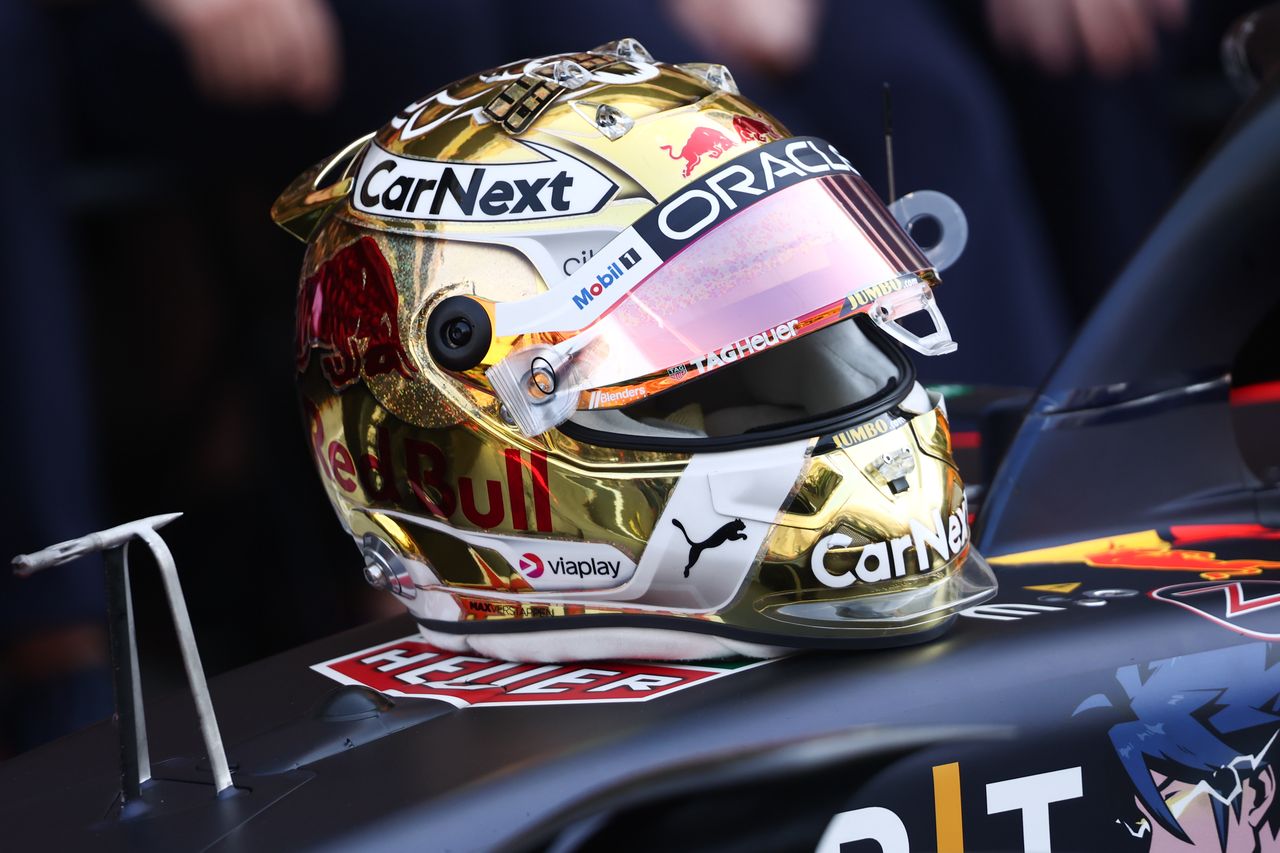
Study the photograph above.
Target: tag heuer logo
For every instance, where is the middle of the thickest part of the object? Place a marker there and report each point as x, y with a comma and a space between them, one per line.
413, 669
557, 185
1247, 607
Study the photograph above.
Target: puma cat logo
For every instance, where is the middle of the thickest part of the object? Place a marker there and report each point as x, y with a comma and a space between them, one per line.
735, 529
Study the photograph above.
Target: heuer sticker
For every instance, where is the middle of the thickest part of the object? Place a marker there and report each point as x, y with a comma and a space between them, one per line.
413, 668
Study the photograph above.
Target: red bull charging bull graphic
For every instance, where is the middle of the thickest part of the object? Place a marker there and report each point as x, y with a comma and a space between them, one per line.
753, 129
703, 142
349, 308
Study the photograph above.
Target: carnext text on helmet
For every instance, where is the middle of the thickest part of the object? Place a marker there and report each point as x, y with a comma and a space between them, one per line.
882, 561
403, 193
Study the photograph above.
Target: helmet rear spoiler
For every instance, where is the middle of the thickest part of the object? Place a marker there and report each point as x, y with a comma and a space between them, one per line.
305, 201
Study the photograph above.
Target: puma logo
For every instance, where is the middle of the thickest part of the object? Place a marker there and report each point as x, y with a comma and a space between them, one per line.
736, 529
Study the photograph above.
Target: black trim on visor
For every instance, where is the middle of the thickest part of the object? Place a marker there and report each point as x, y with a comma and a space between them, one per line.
887, 398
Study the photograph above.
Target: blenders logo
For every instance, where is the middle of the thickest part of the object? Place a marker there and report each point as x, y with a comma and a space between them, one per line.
408, 188
607, 399
612, 273
531, 566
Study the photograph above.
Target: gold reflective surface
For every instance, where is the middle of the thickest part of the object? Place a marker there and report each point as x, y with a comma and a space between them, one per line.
433, 443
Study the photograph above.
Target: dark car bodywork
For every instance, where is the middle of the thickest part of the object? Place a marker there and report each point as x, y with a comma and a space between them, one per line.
1121, 692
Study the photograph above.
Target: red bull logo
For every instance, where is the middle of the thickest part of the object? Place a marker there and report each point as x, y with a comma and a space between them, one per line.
350, 309
703, 142
753, 130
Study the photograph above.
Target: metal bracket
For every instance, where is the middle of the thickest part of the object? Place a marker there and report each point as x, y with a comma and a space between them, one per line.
135, 761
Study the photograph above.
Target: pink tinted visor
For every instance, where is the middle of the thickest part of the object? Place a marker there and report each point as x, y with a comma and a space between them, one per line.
790, 264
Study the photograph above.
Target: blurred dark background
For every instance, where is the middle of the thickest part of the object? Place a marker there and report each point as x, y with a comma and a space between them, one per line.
148, 301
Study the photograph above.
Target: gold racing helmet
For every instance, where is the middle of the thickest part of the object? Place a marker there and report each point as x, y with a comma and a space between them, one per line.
598, 360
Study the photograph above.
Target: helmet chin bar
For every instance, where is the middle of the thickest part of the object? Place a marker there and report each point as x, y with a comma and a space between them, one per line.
918, 296
535, 388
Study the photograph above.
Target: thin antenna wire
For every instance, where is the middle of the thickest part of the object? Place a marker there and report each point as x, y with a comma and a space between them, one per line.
888, 140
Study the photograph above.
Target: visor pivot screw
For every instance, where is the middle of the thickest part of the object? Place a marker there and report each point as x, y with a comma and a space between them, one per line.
383, 568
374, 576
459, 332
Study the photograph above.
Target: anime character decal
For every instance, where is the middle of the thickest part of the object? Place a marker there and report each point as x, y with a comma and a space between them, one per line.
1199, 747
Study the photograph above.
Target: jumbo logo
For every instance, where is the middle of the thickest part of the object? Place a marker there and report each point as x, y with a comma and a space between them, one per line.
350, 309
867, 431
881, 561
425, 473
870, 294
408, 188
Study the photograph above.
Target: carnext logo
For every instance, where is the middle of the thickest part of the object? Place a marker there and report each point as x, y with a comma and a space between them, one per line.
458, 191
612, 273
